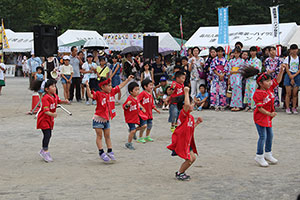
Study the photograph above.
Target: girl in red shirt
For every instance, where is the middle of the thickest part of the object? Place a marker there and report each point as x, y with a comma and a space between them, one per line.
264, 112
183, 143
45, 119
105, 111
145, 98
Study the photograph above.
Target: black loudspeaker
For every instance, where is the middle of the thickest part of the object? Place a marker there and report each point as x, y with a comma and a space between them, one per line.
45, 40
150, 46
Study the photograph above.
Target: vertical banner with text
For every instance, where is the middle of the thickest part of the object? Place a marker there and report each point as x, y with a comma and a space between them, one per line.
275, 22
223, 25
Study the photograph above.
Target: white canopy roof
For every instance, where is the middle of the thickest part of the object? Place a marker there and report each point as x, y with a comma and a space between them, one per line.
250, 35
71, 36
166, 41
296, 38
19, 41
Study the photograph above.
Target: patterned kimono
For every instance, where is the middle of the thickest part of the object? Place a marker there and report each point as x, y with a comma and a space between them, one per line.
251, 83
218, 88
274, 65
236, 82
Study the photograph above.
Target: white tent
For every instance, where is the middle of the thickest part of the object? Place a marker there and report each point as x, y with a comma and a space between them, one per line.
296, 38
250, 35
72, 36
19, 41
166, 41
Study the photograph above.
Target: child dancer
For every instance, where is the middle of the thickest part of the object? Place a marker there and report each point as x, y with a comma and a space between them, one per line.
105, 111
264, 113
133, 114
219, 69
183, 143
234, 66
45, 119
250, 82
66, 74
145, 98
177, 87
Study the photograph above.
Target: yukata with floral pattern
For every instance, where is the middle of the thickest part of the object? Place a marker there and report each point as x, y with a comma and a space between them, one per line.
251, 83
273, 64
218, 88
207, 69
235, 65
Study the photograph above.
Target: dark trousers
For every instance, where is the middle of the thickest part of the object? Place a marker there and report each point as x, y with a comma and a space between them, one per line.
46, 138
75, 83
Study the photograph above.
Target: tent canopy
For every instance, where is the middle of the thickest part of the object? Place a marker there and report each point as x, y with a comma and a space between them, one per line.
296, 38
250, 35
166, 41
19, 42
71, 37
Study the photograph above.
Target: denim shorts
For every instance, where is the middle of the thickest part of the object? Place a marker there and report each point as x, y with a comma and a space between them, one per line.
135, 126
287, 80
148, 122
173, 113
102, 125
64, 81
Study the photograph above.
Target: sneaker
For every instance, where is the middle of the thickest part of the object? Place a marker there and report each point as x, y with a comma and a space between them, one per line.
111, 155
222, 108
199, 108
87, 103
148, 139
216, 108
294, 110
288, 111
141, 140
94, 102
129, 145
49, 157
261, 160
182, 176
172, 129
163, 107
45, 156
104, 157
167, 107
247, 109
270, 158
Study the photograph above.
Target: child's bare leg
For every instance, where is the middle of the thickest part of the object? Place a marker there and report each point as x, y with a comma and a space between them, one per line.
142, 129
131, 134
68, 90
288, 96
65, 91
148, 132
0, 89
295, 96
187, 163
99, 138
107, 138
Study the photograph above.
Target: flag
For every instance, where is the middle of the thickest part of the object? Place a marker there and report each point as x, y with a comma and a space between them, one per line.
278, 50
223, 25
275, 22
181, 31
4, 38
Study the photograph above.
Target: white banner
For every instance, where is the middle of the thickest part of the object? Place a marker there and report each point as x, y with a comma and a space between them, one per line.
275, 22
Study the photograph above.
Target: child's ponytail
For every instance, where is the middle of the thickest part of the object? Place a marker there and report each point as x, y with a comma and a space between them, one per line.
249, 71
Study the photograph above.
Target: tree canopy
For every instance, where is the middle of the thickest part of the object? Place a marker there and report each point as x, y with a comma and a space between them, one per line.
120, 16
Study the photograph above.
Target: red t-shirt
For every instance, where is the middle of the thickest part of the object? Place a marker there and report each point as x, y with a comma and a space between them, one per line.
133, 113
146, 100
264, 99
49, 103
106, 103
178, 90
183, 136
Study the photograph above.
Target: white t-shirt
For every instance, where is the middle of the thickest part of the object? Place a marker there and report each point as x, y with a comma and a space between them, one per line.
1, 71
88, 67
66, 69
294, 64
196, 67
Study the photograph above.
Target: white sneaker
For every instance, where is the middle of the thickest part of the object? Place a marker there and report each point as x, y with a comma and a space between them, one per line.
87, 103
288, 111
163, 107
94, 102
270, 158
261, 160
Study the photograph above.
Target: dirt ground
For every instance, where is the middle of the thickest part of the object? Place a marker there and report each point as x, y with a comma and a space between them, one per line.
224, 169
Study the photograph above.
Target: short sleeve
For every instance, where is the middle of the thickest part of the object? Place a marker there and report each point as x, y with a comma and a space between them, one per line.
258, 98
198, 96
58, 99
45, 104
95, 95
206, 95
115, 90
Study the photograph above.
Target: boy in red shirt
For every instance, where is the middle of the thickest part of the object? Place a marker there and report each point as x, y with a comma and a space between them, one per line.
105, 111
183, 143
177, 87
145, 98
46, 115
264, 98
133, 113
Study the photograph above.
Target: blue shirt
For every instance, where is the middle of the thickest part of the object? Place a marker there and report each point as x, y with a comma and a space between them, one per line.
34, 63
201, 97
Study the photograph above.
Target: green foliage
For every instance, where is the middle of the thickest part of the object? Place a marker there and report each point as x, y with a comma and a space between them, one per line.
120, 16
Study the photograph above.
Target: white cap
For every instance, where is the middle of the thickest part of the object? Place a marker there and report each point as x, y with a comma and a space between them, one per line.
204, 52
66, 58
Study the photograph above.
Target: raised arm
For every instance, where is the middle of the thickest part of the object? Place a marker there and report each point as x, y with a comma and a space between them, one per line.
187, 102
126, 81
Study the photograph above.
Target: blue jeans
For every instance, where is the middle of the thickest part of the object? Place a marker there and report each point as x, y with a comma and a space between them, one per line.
173, 113
265, 137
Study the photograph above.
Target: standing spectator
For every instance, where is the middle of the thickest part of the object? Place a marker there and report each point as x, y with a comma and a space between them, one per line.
207, 66
52, 63
75, 62
33, 63
245, 55
130, 67
115, 75
2, 75
196, 66
66, 76
19, 65
25, 66
185, 68
239, 45
158, 70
